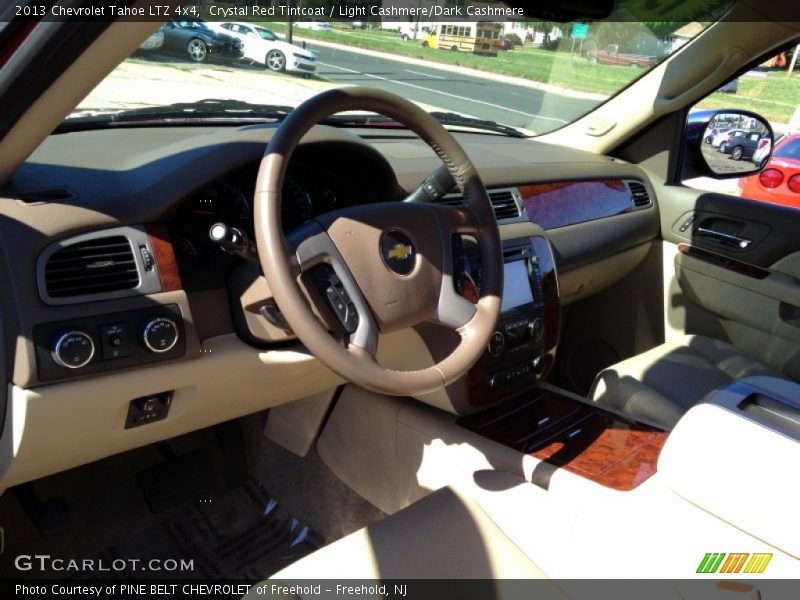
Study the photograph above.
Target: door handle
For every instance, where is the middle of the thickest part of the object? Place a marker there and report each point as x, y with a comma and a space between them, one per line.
726, 239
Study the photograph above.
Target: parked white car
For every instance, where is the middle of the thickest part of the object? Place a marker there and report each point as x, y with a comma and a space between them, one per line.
407, 31
262, 46
314, 25
724, 136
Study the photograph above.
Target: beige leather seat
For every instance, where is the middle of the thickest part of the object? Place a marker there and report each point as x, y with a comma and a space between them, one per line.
443, 536
663, 383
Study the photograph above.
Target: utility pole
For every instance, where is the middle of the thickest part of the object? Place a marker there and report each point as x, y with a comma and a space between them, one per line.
792, 64
290, 4
416, 21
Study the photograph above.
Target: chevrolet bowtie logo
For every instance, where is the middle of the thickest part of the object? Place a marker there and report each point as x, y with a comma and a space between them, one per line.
400, 252
397, 252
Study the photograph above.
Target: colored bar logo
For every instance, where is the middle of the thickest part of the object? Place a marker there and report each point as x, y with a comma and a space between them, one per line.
719, 562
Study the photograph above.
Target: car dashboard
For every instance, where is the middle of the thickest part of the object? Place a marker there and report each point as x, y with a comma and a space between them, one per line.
188, 330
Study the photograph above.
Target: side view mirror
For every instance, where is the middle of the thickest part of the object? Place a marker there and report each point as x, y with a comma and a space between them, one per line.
726, 144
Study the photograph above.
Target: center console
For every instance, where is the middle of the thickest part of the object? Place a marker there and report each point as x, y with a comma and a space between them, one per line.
522, 348
560, 429
565, 431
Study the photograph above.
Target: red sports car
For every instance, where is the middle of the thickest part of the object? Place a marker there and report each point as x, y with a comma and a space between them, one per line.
780, 181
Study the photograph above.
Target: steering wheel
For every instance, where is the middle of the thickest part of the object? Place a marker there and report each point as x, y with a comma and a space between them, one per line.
386, 266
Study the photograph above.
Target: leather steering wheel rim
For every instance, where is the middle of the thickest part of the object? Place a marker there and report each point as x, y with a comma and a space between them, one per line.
280, 260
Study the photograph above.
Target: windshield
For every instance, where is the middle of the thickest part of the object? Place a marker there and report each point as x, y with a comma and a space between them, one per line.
789, 149
512, 77
188, 24
266, 34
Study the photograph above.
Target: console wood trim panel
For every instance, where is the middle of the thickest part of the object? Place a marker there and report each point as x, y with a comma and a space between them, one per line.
621, 459
164, 256
582, 438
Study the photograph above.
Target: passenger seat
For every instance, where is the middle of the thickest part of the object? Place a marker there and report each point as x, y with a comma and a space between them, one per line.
663, 383
445, 535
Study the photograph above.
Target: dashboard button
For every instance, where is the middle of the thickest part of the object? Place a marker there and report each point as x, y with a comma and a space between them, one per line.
160, 335
73, 349
497, 343
537, 330
114, 341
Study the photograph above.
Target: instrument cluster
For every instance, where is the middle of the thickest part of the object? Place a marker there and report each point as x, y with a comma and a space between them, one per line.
307, 193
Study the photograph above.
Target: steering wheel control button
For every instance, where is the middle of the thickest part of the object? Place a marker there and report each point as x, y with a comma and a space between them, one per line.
338, 299
114, 341
397, 252
160, 335
497, 344
73, 349
351, 318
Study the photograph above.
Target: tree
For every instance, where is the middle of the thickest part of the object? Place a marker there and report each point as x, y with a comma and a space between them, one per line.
544, 27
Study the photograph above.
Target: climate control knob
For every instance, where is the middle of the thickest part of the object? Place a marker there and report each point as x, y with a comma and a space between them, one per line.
160, 335
73, 349
497, 344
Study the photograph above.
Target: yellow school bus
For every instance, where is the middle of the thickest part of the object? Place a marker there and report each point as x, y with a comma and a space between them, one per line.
478, 38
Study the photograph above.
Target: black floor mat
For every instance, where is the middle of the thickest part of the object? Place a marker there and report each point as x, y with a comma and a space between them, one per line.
239, 533
236, 532
185, 478
244, 535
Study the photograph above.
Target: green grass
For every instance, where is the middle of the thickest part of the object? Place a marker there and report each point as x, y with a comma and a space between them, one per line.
544, 66
775, 96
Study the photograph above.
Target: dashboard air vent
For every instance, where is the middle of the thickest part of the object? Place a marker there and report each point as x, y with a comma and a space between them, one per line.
95, 266
451, 200
639, 194
505, 202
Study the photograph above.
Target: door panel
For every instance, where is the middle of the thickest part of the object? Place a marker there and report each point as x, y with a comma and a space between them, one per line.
775, 229
771, 304
733, 272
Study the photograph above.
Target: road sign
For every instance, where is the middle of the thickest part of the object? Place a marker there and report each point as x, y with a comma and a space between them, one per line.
580, 31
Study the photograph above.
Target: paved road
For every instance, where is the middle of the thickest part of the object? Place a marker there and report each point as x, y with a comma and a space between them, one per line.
505, 103
723, 163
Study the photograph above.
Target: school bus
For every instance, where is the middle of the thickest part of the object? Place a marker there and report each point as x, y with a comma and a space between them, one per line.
478, 38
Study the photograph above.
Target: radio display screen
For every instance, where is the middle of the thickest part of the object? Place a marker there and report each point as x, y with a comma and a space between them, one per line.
516, 285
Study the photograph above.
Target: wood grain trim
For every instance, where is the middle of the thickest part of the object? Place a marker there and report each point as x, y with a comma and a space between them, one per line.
724, 262
552, 301
562, 203
164, 256
621, 459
